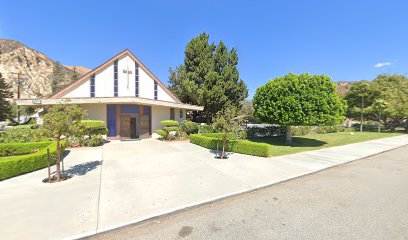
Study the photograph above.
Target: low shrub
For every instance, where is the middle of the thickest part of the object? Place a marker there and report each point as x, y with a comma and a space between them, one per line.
162, 133
238, 146
94, 141
189, 127
95, 127
230, 136
310, 130
169, 131
22, 134
14, 149
169, 123
17, 165
204, 128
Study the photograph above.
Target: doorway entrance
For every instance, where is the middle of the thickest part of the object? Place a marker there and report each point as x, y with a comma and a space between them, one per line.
129, 126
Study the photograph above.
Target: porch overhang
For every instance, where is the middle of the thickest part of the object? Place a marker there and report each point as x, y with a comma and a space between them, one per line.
106, 100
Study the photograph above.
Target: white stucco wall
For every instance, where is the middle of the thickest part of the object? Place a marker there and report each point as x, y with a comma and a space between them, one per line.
146, 85
104, 83
159, 114
95, 111
163, 95
163, 113
81, 91
125, 88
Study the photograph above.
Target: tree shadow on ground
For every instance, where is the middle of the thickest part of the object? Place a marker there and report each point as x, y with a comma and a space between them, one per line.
83, 168
297, 141
217, 154
66, 153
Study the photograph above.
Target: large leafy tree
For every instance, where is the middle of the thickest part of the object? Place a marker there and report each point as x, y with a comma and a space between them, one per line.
62, 121
392, 90
297, 100
208, 77
5, 93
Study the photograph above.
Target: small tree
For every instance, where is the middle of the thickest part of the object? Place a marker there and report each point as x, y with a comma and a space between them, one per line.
357, 98
299, 100
5, 93
225, 123
379, 106
62, 121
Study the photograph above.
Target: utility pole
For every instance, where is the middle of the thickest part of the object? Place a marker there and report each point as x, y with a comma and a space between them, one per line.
19, 80
362, 109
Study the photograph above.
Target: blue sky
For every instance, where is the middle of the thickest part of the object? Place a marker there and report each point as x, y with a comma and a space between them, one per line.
343, 39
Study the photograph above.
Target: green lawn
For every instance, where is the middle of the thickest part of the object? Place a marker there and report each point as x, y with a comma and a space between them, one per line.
318, 141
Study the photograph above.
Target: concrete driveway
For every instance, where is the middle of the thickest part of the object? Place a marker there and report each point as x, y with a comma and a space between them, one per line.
126, 182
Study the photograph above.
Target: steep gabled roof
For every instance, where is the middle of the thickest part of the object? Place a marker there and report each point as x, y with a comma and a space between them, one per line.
107, 63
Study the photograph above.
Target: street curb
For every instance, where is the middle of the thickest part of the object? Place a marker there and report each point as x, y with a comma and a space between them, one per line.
210, 201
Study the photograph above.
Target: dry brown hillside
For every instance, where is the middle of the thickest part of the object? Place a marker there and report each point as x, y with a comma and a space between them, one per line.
343, 87
36, 67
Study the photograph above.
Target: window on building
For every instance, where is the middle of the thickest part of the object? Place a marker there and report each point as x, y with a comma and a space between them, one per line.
172, 117
93, 85
115, 78
137, 80
155, 90
181, 114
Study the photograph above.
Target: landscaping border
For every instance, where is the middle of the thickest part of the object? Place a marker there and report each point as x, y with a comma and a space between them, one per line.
16, 165
237, 146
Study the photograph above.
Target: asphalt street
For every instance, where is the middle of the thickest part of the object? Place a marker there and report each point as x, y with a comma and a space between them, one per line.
365, 199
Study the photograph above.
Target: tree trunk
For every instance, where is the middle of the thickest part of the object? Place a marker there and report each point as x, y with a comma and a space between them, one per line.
58, 164
379, 122
289, 134
223, 146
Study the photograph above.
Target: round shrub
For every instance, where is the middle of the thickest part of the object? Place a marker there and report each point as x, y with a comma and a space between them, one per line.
189, 127
169, 123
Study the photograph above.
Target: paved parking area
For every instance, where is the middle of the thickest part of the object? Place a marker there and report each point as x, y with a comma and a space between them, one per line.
126, 182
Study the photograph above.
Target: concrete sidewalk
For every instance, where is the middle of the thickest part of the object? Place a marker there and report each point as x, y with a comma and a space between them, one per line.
142, 179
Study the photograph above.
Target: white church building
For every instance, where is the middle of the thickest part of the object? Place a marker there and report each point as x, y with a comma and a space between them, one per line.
123, 93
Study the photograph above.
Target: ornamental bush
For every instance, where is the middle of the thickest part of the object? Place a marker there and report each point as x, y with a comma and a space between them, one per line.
238, 146
169, 123
14, 149
204, 128
95, 127
169, 131
18, 134
16, 165
189, 127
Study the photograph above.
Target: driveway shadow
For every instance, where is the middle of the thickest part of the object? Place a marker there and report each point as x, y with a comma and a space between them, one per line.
83, 168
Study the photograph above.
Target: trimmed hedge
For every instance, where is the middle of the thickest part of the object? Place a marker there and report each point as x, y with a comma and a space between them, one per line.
95, 127
230, 136
238, 146
13, 149
16, 165
162, 133
169, 123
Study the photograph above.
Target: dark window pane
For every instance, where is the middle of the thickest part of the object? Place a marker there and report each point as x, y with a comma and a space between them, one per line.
171, 113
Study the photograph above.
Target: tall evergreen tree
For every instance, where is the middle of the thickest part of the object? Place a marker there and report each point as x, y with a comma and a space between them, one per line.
5, 93
208, 77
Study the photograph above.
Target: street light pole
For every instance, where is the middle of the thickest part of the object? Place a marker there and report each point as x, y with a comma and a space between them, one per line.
20, 82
